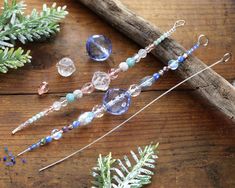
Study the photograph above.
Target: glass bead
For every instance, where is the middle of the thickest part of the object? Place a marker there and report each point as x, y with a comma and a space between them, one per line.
87, 88
142, 53
57, 105
56, 134
76, 124
78, 94
43, 88
70, 97
134, 90
98, 110
116, 101
113, 73
156, 76
137, 58
101, 80
181, 59
123, 66
63, 101
173, 64
146, 82
99, 47
66, 67
43, 141
130, 62
48, 139
86, 118
161, 72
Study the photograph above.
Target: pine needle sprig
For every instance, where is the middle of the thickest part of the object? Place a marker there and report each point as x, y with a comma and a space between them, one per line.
123, 174
10, 58
32, 27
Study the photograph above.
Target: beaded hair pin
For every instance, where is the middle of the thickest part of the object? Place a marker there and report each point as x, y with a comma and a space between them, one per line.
100, 80
225, 59
117, 101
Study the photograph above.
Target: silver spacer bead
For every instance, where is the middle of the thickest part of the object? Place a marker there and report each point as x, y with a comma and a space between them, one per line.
150, 47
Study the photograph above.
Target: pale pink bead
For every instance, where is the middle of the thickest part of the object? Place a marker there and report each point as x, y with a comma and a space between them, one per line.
43, 88
87, 88
113, 73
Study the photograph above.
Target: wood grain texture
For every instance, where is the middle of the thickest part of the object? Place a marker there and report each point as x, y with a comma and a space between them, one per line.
197, 145
211, 86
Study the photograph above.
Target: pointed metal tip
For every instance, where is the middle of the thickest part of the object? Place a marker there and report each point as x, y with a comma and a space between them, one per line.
22, 152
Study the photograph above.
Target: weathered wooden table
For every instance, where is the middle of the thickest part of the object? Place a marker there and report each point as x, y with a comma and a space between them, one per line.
197, 145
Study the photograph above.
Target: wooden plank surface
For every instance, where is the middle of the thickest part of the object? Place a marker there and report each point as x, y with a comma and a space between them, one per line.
196, 145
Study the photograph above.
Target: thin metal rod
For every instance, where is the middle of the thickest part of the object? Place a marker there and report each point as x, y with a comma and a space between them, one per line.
224, 59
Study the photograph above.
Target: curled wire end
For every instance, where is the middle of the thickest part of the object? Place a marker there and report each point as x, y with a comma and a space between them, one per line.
203, 40
226, 57
179, 23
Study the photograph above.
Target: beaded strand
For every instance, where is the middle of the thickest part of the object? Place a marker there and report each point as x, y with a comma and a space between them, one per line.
115, 101
100, 80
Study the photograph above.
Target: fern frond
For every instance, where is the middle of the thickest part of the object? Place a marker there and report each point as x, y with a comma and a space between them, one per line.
34, 26
123, 173
10, 58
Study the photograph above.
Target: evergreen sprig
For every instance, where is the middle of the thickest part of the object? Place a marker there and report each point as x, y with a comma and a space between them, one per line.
14, 25
31, 27
108, 175
10, 58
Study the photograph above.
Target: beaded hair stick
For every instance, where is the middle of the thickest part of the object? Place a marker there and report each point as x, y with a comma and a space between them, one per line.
116, 101
100, 80
226, 58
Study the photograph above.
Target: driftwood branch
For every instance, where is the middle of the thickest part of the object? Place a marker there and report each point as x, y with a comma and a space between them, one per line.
211, 86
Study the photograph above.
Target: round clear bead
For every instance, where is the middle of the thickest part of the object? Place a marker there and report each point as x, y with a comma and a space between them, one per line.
101, 80
87, 88
78, 94
57, 105
56, 134
63, 101
98, 110
173, 64
161, 72
66, 67
146, 82
142, 53
134, 90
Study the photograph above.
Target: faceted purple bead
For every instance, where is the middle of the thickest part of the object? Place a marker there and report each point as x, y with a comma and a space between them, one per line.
117, 101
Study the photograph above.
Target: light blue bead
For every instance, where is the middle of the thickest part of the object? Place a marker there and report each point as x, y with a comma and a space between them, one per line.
116, 101
130, 62
70, 97
86, 118
56, 134
173, 64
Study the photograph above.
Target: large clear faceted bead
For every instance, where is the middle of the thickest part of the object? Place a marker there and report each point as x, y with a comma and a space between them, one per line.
101, 80
86, 118
66, 67
146, 82
116, 101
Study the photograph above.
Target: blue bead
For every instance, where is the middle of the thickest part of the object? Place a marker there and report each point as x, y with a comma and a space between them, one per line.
76, 124
156, 76
173, 64
130, 62
117, 101
181, 59
70, 97
32, 147
99, 47
48, 139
